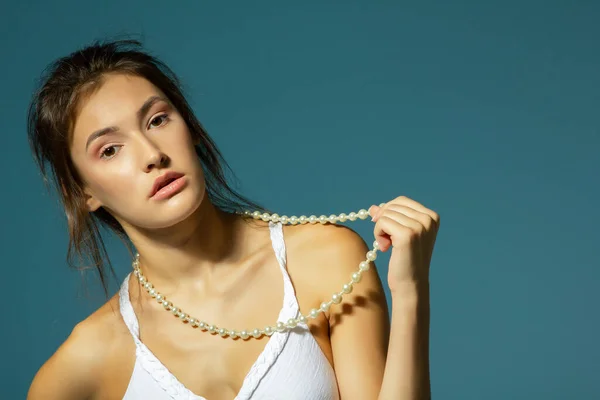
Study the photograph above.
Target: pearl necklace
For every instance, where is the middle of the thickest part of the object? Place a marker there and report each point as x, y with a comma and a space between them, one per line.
280, 326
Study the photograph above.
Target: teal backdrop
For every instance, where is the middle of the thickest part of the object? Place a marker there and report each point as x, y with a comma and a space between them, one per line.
487, 112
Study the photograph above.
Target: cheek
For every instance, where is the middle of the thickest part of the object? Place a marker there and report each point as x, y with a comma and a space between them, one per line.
116, 188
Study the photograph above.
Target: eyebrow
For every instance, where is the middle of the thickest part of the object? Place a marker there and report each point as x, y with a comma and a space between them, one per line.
140, 114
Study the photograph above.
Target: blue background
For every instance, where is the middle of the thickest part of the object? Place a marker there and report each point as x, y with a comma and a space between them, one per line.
487, 112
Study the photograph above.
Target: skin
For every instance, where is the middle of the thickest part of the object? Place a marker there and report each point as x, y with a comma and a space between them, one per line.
216, 267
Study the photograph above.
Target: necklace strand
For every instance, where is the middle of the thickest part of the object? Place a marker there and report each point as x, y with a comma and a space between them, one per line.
280, 326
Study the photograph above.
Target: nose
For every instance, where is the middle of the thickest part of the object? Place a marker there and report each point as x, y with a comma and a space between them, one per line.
153, 157
156, 160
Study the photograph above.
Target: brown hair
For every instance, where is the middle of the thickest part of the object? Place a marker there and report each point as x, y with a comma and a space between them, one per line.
50, 120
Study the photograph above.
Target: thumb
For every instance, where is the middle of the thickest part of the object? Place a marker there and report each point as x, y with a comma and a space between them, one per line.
373, 211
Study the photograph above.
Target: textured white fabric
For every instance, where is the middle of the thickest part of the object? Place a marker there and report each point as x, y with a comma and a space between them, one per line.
291, 367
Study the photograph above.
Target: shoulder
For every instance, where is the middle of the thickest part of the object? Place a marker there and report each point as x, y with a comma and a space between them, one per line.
318, 240
328, 237
329, 254
75, 368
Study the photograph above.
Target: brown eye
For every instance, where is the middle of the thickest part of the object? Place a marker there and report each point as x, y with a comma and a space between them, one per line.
162, 117
108, 152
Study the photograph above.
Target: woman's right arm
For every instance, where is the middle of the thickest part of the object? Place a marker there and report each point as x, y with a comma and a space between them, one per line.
73, 370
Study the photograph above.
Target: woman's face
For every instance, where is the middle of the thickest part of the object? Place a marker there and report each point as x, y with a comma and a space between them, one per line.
147, 137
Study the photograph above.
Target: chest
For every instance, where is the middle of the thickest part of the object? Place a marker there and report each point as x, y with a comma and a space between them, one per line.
208, 364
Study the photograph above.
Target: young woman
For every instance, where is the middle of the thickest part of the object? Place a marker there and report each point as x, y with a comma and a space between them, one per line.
226, 300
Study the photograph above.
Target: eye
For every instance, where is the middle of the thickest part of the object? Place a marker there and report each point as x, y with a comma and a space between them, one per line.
163, 117
105, 153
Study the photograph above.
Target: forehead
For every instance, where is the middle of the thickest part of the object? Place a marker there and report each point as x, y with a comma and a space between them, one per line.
114, 102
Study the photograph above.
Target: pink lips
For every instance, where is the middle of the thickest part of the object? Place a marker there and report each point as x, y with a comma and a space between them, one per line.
167, 185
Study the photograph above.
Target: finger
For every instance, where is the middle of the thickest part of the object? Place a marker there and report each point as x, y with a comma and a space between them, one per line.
425, 219
403, 200
388, 229
404, 219
373, 211
380, 208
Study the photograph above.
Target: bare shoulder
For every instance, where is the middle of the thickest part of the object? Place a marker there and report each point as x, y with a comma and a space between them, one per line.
328, 255
75, 369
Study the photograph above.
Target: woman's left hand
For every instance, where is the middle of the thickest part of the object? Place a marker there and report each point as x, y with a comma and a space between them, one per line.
411, 229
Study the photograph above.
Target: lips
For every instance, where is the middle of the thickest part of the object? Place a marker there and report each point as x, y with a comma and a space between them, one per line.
164, 180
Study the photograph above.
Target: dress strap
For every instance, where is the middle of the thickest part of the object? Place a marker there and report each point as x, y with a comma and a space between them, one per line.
127, 311
290, 302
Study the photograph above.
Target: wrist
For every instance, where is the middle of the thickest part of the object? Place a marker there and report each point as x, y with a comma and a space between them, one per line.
410, 290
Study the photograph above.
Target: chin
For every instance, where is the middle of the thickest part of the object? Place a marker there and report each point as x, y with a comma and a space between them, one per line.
184, 204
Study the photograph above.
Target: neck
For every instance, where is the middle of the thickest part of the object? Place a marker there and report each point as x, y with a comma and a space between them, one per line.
192, 249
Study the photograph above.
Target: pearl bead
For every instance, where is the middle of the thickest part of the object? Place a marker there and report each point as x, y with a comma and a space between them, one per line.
202, 325
302, 319
193, 322
175, 311
376, 245
302, 219
223, 332
280, 327
363, 214
152, 293
352, 216
265, 217
332, 218
312, 219
356, 277
233, 334
314, 313
336, 298
142, 279
325, 306
256, 333
371, 256
148, 285
364, 266
212, 328
268, 330
284, 220
256, 214
291, 323
294, 220
182, 316
323, 219
343, 217
166, 304
159, 297
244, 335
275, 217
347, 288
